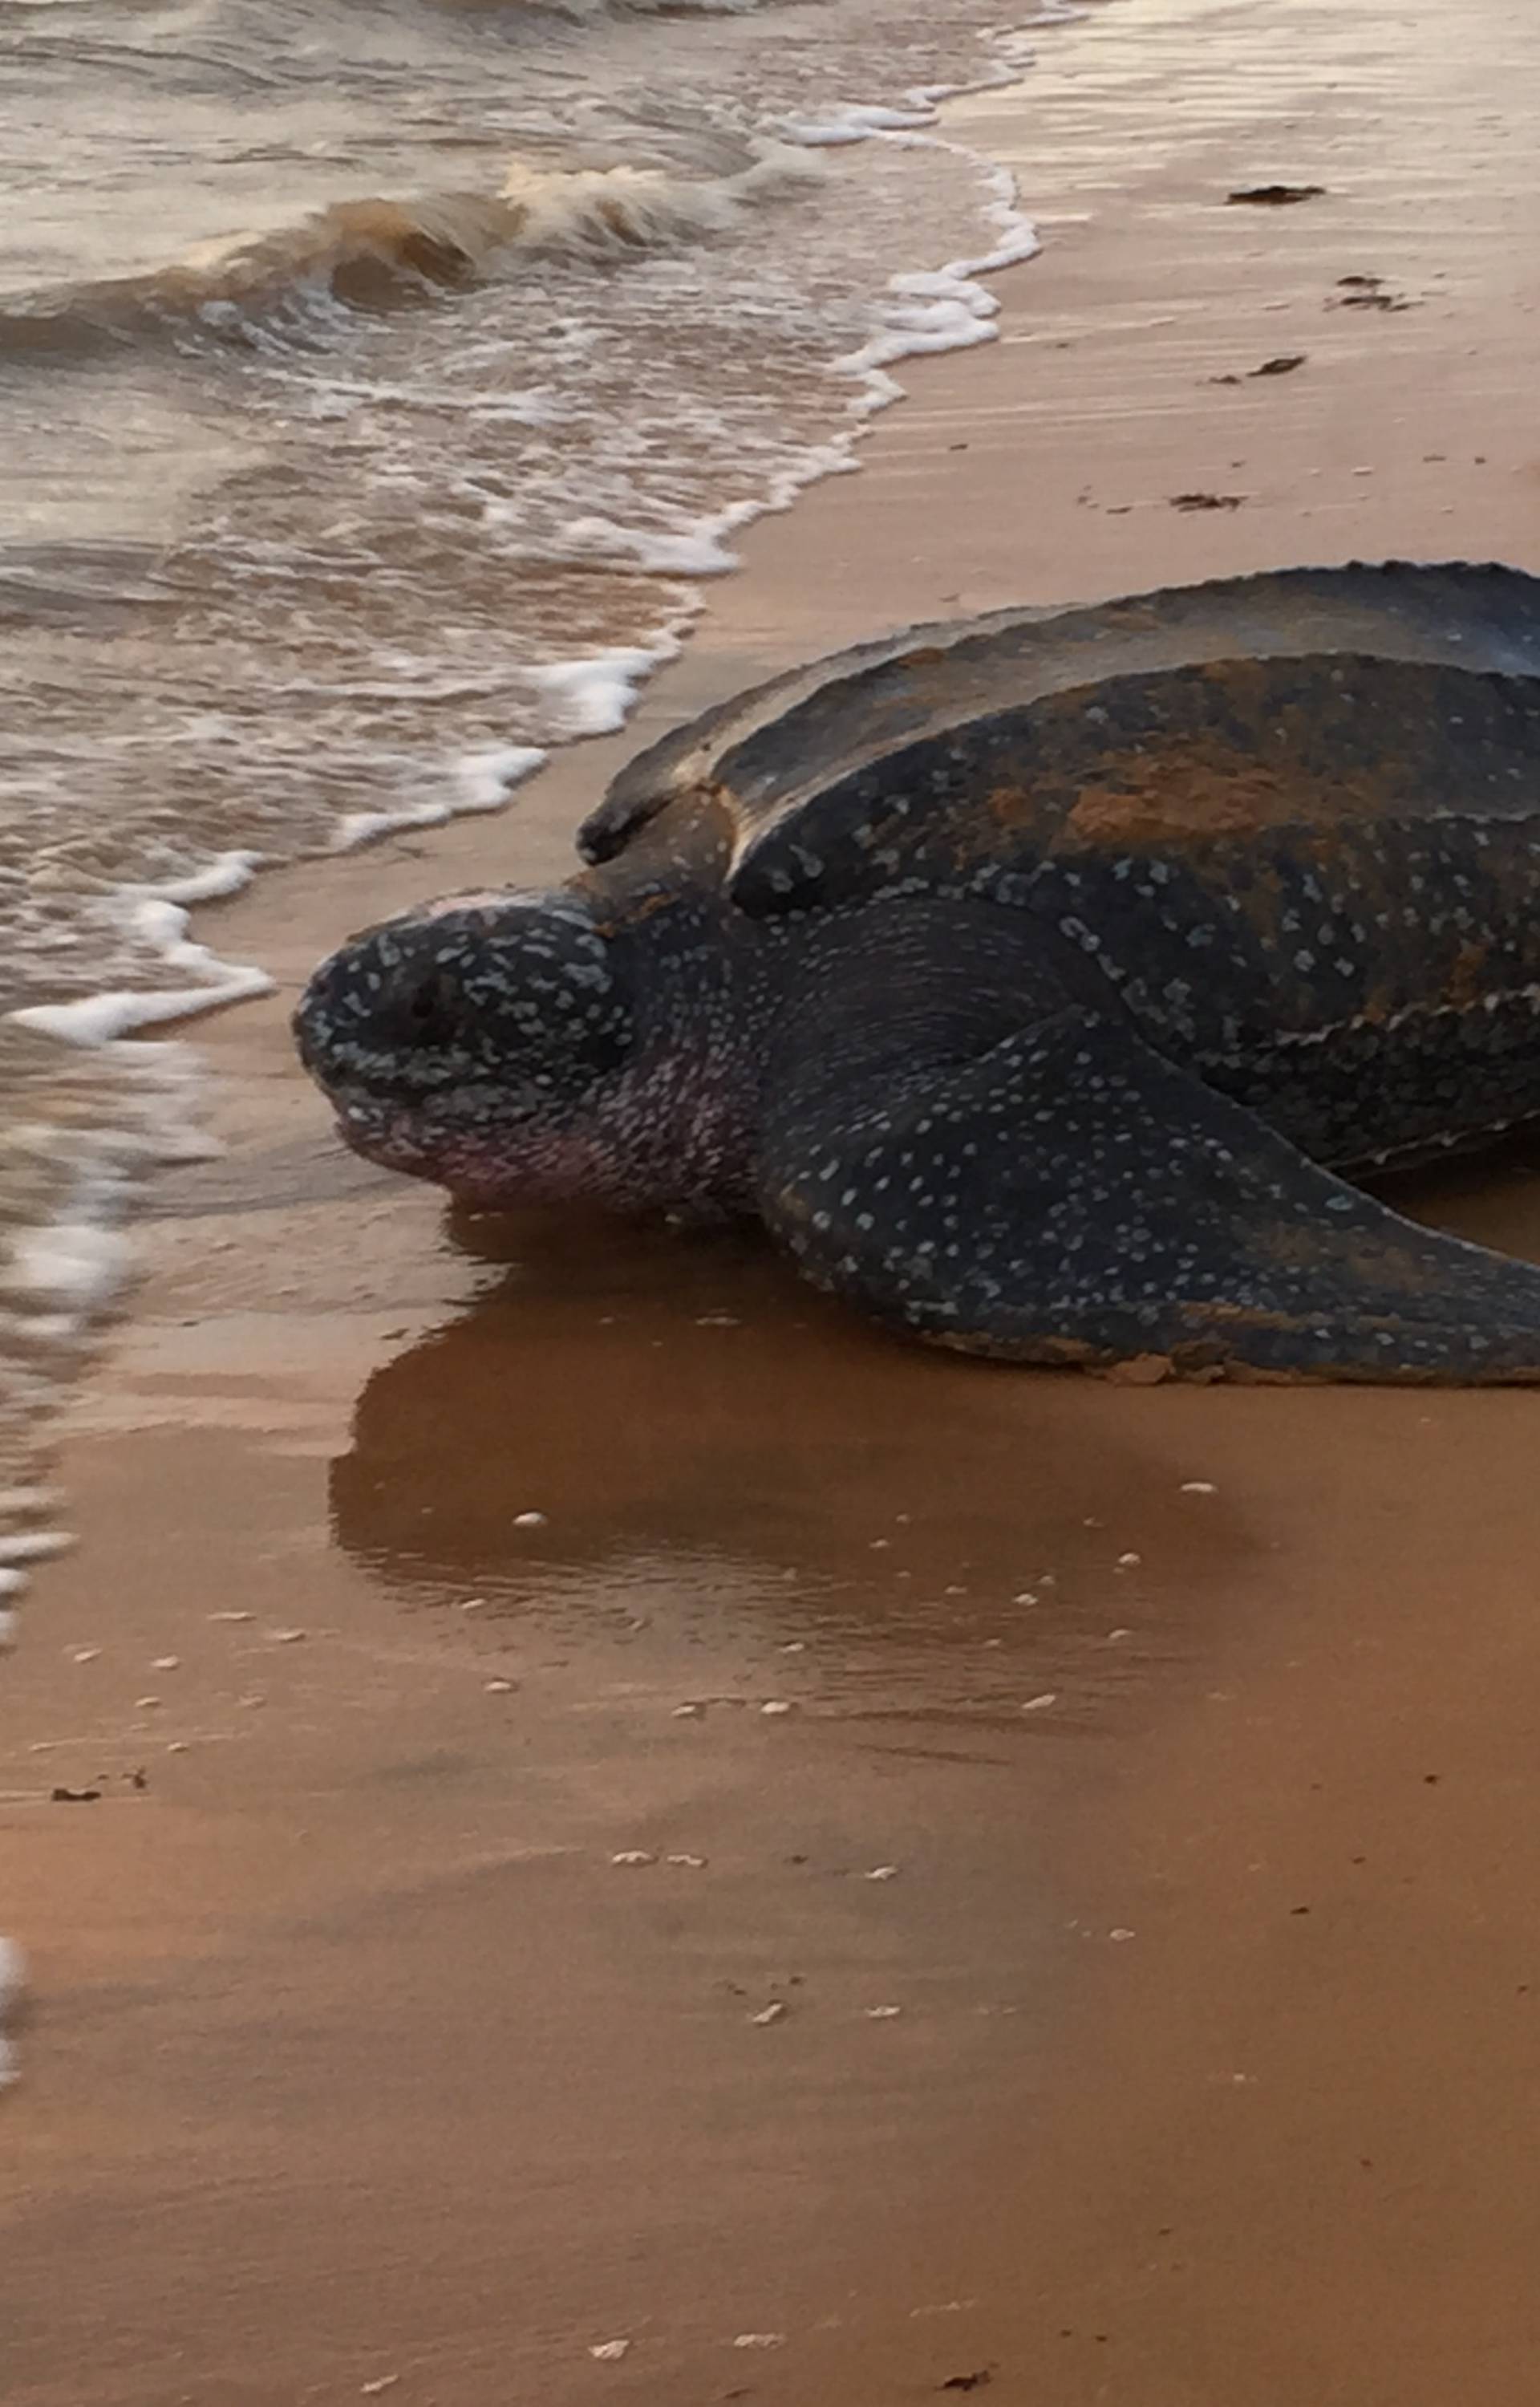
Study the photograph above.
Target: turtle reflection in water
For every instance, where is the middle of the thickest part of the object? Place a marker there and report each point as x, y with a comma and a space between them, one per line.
1039, 981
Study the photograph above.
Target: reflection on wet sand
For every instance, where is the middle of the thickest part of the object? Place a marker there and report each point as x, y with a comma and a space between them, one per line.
705, 1441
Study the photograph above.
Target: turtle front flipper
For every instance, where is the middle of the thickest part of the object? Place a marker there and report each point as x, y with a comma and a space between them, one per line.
1066, 1196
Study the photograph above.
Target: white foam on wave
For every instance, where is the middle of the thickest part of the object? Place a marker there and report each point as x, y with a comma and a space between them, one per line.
77, 1265
855, 121
597, 212
594, 697
944, 308
13, 1975
920, 311
696, 551
34, 1545
484, 780
480, 781
228, 873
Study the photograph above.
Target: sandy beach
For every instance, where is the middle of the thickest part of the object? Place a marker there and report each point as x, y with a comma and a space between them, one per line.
907, 1878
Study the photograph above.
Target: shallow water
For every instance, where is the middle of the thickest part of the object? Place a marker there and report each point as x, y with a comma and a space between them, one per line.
376, 388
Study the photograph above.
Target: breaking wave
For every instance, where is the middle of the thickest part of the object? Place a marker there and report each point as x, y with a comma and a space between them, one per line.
374, 254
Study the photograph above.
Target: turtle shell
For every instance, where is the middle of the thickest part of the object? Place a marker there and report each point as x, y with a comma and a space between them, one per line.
835, 776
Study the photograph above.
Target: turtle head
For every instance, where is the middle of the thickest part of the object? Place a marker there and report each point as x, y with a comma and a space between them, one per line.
481, 1042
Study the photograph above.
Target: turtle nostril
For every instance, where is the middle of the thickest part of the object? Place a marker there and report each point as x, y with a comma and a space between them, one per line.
432, 1002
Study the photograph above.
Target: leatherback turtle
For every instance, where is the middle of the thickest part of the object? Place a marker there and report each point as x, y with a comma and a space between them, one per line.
1038, 980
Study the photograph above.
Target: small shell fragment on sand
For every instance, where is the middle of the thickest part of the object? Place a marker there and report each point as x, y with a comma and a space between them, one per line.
84, 1654
1027, 1596
1040, 1704
287, 1637
777, 1705
166, 1663
1119, 1933
609, 2352
883, 2014
146, 1704
774, 2013
528, 1520
688, 1863
1129, 1562
471, 1604
631, 1856
689, 1713
883, 1872
500, 1688
227, 1617
374, 2389
760, 2340
1198, 1488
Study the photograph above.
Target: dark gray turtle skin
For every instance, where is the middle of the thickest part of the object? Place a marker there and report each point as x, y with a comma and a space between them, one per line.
1039, 981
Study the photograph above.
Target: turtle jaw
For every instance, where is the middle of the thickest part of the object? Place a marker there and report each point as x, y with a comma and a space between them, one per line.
481, 1155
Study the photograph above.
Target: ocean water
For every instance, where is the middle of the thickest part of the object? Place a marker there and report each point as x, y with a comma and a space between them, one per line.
377, 386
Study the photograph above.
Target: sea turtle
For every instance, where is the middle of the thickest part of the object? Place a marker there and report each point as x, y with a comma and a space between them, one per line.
1037, 980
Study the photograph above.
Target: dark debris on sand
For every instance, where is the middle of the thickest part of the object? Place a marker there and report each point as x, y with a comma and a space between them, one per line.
1274, 196
1284, 365
1368, 293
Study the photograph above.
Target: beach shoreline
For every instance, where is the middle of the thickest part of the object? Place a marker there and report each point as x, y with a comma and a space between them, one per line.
443, 1968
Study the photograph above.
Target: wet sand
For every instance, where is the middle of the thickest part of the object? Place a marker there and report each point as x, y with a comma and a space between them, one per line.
355, 2058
